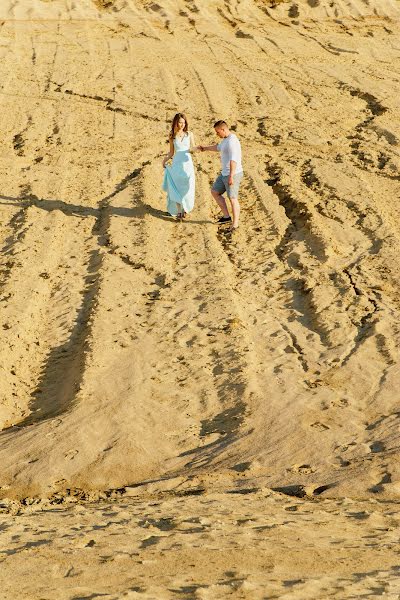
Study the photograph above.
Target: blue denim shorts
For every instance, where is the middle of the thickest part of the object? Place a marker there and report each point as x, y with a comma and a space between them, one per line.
221, 185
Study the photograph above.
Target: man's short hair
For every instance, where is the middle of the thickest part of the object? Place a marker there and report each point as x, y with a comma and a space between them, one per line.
220, 124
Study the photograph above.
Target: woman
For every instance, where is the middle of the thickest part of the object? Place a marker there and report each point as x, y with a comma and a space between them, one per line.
179, 180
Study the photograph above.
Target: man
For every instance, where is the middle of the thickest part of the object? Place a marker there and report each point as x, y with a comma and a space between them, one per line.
231, 173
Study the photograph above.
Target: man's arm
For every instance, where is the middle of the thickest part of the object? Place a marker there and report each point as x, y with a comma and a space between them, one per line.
233, 160
232, 171
213, 148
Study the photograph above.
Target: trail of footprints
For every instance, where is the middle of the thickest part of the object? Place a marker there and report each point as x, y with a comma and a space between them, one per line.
176, 310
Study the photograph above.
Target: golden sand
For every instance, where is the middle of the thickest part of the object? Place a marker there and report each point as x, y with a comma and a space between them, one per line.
230, 402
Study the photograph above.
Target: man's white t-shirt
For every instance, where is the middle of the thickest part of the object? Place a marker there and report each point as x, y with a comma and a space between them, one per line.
230, 150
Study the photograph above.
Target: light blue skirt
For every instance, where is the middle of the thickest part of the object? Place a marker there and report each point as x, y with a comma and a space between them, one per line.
179, 183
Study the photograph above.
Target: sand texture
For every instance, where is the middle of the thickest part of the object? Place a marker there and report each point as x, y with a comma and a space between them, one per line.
136, 349
254, 545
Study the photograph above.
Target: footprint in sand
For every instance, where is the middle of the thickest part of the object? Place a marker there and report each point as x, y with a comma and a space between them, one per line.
305, 469
241, 467
319, 426
379, 487
71, 454
377, 447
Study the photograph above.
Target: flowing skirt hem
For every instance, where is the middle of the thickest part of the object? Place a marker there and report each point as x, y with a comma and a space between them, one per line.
175, 196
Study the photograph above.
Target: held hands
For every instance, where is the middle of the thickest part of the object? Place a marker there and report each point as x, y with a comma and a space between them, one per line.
230, 180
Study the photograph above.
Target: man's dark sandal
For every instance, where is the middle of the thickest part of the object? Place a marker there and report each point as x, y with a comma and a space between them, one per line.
224, 220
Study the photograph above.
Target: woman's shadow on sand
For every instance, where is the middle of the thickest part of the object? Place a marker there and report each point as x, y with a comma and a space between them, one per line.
50, 400
138, 211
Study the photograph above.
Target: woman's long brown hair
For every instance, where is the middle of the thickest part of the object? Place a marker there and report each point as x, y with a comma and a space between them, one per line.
175, 122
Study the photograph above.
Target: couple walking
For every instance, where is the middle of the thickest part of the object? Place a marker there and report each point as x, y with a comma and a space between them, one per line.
179, 177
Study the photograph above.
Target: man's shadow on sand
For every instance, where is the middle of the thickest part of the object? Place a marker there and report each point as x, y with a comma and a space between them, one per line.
75, 210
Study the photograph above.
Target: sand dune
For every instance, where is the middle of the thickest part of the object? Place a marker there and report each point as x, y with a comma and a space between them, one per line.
136, 349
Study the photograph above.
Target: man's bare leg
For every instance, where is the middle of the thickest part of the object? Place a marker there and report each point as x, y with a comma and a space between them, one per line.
235, 212
220, 200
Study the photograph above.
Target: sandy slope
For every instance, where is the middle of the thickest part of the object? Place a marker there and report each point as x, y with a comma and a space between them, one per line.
135, 348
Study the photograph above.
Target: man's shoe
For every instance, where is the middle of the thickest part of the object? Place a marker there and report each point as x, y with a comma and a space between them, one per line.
224, 220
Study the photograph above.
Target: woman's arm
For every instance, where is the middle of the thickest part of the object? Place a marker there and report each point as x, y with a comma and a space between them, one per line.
170, 153
193, 147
